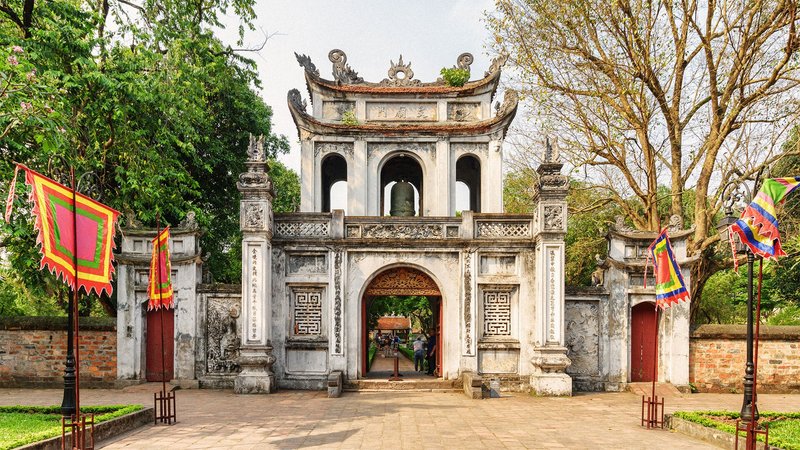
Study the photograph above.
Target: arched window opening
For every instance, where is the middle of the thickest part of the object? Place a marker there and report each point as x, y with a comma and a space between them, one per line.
468, 173
401, 167
462, 197
334, 183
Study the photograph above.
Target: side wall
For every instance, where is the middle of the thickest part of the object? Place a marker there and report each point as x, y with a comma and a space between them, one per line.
33, 351
717, 355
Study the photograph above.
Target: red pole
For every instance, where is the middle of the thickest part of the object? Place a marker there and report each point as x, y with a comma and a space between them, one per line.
161, 304
758, 326
75, 293
655, 356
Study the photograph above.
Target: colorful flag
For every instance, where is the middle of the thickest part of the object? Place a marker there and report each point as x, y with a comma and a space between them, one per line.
758, 225
159, 288
58, 220
670, 287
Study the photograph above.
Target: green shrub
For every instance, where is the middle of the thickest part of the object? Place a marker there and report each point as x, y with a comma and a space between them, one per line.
454, 76
349, 118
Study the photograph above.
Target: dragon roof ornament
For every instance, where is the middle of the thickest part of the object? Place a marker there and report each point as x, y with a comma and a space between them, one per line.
400, 74
342, 72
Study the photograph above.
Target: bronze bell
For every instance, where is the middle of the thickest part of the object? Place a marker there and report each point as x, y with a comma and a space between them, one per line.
402, 199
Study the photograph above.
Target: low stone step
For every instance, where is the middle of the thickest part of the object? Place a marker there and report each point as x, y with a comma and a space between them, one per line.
662, 389
408, 385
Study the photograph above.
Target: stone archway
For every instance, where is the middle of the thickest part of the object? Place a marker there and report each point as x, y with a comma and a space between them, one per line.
401, 281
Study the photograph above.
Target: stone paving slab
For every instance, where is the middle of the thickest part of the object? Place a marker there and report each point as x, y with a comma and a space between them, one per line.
409, 420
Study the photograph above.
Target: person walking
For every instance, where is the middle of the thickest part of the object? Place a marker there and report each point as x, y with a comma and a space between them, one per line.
432, 353
419, 354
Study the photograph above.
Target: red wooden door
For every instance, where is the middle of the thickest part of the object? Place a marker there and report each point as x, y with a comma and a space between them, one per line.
153, 368
642, 335
439, 342
364, 337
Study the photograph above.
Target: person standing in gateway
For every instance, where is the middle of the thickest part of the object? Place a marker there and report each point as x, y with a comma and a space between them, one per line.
432, 353
419, 354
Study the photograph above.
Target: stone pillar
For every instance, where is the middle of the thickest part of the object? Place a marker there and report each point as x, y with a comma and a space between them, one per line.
550, 354
255, 221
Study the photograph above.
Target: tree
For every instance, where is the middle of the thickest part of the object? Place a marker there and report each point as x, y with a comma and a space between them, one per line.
644, 93
416, 308
142, 94
588, 218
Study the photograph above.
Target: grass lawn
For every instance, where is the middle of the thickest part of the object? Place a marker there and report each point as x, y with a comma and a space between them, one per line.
21, 425
784, 428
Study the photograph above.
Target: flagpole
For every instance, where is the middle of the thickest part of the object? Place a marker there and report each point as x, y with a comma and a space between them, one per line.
161, 303
75, 294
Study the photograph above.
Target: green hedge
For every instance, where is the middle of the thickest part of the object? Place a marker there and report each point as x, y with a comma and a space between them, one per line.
22, 425
784, 428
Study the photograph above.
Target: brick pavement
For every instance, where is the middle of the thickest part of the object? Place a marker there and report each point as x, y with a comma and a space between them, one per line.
399, 420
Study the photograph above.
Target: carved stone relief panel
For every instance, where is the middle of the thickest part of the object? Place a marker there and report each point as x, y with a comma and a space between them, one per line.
553, 217
582, 337
254, 216
413, 147
498, 265
391, 231
323, 148
404, 112
307, 264
353, 231
222, 335
496, 306
333, 110
307, 311
477, 148
464, 112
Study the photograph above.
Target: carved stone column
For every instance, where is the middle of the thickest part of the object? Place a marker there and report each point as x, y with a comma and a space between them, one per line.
255, 221
550, 354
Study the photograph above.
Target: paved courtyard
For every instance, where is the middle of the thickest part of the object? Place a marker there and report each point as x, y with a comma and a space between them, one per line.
404, 420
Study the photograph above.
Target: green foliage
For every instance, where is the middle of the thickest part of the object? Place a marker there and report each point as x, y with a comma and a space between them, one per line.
22, 425
349, 118
417, 308
588, 218
149, 100
784, 428
372, 351
454, 76
406, 351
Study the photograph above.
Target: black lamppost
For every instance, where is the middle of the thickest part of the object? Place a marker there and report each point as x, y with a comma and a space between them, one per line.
68, 402
733, 193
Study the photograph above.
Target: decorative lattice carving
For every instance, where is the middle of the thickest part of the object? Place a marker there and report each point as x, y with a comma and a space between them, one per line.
403, 281
301, 229
496, 312
307, 311
504, 229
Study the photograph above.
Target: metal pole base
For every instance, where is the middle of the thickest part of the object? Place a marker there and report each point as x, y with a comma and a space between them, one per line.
81, 432
751, 430
165, 409
652, 412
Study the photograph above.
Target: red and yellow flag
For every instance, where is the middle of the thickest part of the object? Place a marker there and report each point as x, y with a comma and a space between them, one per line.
85, 228
159, 288
670, 288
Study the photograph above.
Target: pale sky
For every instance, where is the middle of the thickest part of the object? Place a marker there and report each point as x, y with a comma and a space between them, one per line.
429, 34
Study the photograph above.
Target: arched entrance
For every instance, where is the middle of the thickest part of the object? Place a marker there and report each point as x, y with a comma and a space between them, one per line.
402, 281
642, 348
